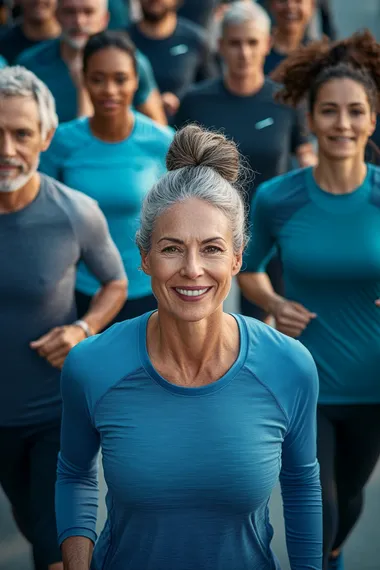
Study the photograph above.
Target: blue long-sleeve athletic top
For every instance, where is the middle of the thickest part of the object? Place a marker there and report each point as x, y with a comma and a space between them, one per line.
190, 470
330, 248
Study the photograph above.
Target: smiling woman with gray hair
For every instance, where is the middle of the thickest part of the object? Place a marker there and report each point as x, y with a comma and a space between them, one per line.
198, 412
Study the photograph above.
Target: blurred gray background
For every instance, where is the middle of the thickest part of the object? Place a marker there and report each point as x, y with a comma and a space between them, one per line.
363, 549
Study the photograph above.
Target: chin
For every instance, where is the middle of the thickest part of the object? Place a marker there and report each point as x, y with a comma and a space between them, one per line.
192, 314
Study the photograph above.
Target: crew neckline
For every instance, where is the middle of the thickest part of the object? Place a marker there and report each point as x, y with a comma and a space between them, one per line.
111, 143
338, 203
201, 390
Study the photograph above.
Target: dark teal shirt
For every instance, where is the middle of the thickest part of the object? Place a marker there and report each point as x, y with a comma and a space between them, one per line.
190, 470
330, 248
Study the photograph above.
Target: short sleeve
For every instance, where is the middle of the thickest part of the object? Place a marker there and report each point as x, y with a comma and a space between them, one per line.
98, 251
262, 241
147, 82
300, 130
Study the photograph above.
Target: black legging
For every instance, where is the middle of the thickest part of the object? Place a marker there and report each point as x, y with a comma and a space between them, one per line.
348, 450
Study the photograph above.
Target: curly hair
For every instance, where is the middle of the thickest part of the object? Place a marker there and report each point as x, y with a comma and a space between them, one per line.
304, 72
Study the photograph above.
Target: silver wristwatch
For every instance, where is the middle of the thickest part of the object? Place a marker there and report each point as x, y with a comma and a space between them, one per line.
84, 326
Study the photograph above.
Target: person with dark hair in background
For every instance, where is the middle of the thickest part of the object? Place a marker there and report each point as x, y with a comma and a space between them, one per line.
177, 49
45, 230
114, 157
326, 222
242, 104
195, 422
38, 24
291, 21
58, 63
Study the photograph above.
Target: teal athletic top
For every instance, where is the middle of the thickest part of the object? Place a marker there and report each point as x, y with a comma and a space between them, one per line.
117, 176
330, 248
46, 62
190, 470
3, 63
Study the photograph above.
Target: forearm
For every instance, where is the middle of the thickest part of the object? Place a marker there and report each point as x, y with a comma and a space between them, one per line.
105, 305
77, 553
257, 288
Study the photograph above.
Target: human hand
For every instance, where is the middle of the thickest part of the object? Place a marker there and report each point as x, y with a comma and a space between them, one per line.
171, 103
57, 343
291, 318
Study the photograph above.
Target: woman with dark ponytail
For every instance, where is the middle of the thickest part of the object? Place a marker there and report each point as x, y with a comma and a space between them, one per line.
326, 223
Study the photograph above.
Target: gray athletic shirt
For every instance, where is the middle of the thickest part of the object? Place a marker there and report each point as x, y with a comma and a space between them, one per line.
40, 246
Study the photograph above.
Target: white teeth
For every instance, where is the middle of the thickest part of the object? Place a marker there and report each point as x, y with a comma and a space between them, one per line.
191, 293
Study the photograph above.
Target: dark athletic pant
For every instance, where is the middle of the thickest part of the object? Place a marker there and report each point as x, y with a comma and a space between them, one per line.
348, 450
28, 464
131, 308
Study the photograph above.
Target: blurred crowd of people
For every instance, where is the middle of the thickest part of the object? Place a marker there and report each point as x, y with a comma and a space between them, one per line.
113, 81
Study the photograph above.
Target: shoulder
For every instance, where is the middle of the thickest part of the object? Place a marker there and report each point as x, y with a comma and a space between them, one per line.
99, 363
283, 187
70, 136
204, 89
191, 30
282, 364
39, 55
147, 130
77, 206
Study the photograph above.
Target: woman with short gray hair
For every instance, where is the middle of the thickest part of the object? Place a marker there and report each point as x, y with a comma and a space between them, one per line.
198, 412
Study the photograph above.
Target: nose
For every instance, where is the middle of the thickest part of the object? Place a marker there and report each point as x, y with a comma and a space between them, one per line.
343, 120
7, 146
78, 20
110, 87
192, 266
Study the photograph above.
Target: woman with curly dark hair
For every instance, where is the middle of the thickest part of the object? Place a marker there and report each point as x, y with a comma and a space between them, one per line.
326, 223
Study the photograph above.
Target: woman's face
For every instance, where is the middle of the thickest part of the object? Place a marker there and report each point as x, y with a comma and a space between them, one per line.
111, 81
342, 119
191, 261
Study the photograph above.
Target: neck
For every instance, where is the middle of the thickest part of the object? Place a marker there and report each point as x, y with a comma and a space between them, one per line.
112, 129
340, 177
69, 53
190, 348
244, 85
285, 42
159, 30
14, 201
41, 30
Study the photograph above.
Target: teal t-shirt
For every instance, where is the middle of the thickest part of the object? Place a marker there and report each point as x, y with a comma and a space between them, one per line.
330, 248
117, 176
3, 63
46, 62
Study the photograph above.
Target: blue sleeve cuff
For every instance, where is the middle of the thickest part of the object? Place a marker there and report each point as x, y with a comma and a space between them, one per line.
85, 532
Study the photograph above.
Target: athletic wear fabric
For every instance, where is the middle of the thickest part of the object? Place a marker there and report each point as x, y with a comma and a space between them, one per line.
118, 176
27, 476
13, 42
330, 248
267, 133
131, 309
198, 11
348, 450
46, 62
273, 60
180, 60
3, 63
40, 247
190, 470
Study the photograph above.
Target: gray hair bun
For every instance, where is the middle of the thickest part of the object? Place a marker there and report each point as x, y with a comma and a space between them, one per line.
194, 146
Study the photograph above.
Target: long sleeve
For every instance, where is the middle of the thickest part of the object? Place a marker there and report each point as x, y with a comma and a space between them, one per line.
77, 473
300, 485
261, 244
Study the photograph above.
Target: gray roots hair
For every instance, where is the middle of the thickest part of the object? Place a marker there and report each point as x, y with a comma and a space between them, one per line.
20, 82
202, 165
243, 13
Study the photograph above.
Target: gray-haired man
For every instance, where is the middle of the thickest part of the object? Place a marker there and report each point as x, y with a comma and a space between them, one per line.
45, 229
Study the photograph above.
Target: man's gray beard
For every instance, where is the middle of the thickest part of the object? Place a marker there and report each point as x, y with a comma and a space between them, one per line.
17, 183
73, 43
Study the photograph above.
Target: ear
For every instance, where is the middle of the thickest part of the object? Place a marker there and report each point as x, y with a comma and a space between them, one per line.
145, 262
373, 124
237, 262
107, 18
48, 139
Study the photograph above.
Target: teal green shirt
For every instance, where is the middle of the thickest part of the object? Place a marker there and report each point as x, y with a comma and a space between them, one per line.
46, 62
330, 248
3, 63
117, 176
